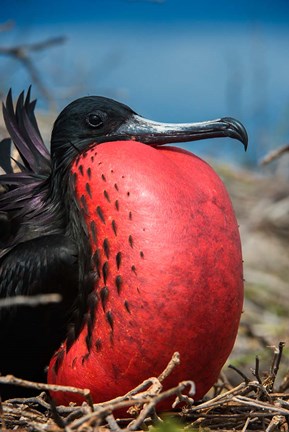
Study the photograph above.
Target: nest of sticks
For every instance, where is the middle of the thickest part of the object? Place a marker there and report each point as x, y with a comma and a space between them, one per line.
253, 404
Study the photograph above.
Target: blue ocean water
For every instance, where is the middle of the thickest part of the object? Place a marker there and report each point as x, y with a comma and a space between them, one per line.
169, 60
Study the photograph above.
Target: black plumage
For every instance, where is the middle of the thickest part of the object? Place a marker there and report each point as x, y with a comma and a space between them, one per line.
30, 335
36, 256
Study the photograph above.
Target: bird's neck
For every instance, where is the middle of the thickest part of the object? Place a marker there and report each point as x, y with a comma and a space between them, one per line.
76, 229
41, 213
75, 226
62, 205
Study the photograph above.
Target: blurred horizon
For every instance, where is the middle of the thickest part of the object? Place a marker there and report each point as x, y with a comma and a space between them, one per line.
173, 61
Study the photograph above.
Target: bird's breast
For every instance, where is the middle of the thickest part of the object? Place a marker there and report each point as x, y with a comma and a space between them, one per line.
166, 248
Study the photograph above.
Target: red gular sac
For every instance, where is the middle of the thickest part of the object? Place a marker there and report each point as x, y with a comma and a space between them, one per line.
166, 254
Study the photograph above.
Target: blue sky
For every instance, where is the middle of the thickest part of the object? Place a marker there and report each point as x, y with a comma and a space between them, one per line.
176, 60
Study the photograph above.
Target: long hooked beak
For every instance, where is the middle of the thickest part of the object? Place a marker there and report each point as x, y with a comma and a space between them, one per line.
154, 133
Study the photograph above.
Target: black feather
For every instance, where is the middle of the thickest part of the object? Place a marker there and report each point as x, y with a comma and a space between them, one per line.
25, 199
5, 155
30, 336
38, 253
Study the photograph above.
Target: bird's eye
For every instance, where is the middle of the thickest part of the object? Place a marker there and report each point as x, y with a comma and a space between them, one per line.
94, 120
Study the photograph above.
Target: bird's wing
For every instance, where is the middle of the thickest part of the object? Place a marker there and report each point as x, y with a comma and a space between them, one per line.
30, 335
45, 264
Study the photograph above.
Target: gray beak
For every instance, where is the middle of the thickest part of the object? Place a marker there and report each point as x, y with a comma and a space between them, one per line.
154, 133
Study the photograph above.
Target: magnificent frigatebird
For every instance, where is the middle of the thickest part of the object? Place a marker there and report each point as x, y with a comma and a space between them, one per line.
139, 238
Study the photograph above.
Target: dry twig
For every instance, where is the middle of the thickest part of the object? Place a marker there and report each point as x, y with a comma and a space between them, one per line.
251, 405
8, 25
147, 394
32, 301
10, 379
175, 361
275, 154
23, 53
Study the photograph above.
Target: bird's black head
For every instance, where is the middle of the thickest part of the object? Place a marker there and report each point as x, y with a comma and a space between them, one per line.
85, 121
96, 119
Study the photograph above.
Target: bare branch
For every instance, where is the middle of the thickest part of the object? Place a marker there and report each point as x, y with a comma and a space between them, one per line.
275, 154
6, 26
175, 361
30, 300
23, 50
22, 53
249, 406
10, 379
